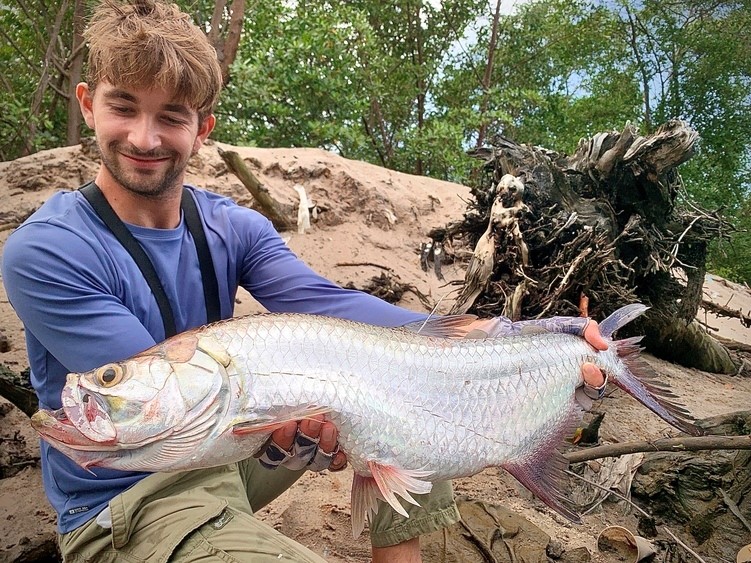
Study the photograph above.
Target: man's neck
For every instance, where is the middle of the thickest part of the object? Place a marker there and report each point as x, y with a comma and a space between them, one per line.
156, 213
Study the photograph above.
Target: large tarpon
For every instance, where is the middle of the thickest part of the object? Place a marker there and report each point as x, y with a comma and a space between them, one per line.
411, 407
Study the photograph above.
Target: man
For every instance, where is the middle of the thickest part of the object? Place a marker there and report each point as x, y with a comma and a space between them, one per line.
87, 297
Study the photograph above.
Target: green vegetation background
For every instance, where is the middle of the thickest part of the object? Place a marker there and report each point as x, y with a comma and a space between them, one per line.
411, 84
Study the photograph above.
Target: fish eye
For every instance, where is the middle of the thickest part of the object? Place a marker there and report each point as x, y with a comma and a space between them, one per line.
109, 375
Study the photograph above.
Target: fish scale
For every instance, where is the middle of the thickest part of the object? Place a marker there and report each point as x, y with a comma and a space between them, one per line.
411, 407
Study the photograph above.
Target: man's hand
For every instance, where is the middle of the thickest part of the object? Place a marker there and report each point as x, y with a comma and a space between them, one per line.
593, 377
307, 444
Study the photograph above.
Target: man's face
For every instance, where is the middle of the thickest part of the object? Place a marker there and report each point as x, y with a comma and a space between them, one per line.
145, 136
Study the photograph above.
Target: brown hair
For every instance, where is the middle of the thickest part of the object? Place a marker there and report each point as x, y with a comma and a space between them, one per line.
152, 43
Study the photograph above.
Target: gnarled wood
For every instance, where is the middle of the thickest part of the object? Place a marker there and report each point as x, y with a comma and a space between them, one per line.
16, 387
606, 222
703, 492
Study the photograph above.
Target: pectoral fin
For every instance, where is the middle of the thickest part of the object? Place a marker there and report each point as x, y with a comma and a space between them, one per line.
269, 423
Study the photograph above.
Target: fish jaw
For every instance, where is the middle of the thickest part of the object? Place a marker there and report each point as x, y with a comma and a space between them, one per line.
57, 428
85, 412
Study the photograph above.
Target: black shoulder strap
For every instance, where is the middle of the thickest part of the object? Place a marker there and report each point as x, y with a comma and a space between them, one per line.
101, 206
208, 275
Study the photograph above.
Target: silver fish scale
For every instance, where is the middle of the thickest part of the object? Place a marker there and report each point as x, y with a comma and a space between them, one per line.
449, 406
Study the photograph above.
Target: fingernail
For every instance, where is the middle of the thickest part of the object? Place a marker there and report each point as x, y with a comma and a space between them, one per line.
314, 426
328, 434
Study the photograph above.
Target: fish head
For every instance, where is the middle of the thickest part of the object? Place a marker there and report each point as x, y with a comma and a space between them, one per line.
124, 402
156, 394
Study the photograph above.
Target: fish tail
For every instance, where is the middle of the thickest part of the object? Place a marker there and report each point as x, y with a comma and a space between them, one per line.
620, 318
637, 378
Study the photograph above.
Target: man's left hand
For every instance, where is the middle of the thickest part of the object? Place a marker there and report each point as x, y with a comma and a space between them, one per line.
593, 377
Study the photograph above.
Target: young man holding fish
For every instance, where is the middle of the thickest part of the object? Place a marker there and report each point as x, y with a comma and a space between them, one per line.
152, 84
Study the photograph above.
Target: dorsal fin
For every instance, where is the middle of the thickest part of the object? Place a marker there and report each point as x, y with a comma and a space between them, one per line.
620, 318
449, 326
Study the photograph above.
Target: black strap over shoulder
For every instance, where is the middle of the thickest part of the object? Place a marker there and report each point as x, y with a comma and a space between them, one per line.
101, 206
208, 275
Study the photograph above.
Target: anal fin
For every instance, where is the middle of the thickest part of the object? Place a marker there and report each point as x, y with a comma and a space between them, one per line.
543, 474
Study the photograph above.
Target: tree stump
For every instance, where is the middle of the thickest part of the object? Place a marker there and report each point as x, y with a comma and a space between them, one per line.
611, 222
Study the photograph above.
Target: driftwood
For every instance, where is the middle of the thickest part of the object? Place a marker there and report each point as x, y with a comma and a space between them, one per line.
611, 221
709, 494
272, 209
16, 388
722, 311
677, 445
388, 287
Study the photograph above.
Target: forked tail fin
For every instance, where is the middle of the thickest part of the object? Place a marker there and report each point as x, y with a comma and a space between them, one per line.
638, 379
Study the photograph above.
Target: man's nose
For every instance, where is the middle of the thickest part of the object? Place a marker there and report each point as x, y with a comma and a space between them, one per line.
144, 134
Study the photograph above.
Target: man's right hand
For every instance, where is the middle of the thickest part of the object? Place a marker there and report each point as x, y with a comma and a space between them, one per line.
307, 444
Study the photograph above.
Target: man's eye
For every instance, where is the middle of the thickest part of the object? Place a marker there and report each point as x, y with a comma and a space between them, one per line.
174, 120
121, 109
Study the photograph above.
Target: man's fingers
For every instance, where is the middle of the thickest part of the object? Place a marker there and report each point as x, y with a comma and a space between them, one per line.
593, 336
339, 462
312, 426
592, 375
312, 443
329, 436
285, 436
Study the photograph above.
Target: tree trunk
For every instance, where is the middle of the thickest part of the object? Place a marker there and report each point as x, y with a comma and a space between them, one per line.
36, 102
226, 37
483, 128
74, 75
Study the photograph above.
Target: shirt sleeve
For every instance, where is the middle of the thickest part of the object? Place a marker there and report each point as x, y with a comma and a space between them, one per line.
65, 294
281, 282
501, 326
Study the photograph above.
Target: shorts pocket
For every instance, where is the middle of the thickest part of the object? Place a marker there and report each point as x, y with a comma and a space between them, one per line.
151, 530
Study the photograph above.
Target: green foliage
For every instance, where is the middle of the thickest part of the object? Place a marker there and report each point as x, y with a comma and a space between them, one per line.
702, 73
304, 90
406, 84
351, 77
23, 44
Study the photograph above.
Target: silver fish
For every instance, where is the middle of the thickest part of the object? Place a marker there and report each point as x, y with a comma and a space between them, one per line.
411, 407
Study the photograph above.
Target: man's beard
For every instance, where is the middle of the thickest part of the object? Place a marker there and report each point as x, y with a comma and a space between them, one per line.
155, 185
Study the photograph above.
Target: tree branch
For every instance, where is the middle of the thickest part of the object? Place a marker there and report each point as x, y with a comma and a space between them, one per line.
269, 206
687, 444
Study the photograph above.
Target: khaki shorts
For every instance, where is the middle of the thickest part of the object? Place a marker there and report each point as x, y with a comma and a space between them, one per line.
207, 515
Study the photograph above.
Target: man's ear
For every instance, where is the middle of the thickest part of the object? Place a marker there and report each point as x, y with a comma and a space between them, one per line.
204, 130
85, 102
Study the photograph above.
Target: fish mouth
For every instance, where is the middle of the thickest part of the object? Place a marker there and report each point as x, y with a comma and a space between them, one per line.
84, 411
56, 427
